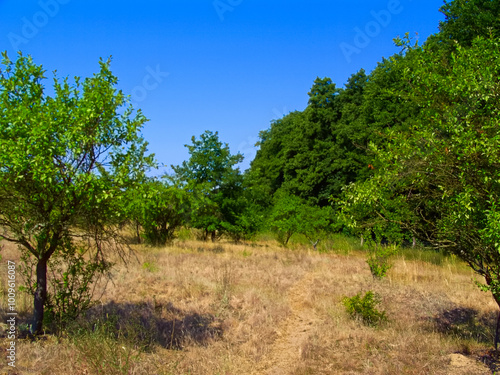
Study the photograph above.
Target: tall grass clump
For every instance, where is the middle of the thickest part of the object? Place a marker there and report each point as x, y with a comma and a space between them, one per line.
104, 348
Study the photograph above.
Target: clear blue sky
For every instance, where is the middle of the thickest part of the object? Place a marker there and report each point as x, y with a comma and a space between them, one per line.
230, 66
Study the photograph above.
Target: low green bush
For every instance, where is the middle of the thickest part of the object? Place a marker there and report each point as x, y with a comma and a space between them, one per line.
365, 308
379, 260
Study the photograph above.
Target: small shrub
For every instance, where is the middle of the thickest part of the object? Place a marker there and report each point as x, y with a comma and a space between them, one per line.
74, 272
150, 266
364, 308
379, 260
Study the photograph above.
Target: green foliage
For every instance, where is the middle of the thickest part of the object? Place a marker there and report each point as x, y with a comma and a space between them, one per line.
445, 174
71, 286
365, 308
150, 266
379, 259
215, 186
375, 212
284, 219
164, 209
65, 162
313, 154
465, 20
291, 215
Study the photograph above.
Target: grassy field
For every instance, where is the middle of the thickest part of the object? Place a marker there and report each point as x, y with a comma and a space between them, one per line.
203, 308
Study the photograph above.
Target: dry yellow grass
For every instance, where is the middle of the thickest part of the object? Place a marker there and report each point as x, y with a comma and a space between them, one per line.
221, 308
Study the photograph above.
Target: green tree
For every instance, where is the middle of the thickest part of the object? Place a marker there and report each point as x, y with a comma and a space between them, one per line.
315, 223
313, 154
465, 20
290, 214
446, 170
214, 184
163, 209
65, 161
284, 219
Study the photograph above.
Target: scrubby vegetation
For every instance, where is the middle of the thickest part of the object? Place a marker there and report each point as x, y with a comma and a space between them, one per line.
190, 308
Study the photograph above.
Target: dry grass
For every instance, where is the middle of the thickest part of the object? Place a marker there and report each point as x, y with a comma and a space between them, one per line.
203, 308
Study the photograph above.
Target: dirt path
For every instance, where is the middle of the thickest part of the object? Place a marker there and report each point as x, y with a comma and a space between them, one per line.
293, 333
462, 365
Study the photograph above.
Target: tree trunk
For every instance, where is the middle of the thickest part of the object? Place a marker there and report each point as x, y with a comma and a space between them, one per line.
414, 242
362, 240
40, 296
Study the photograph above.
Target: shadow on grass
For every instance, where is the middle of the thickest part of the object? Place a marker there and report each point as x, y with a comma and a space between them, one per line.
147, 325
467, 324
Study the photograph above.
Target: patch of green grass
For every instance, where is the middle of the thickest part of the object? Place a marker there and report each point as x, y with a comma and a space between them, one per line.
104, 348
340, 244
150, 266
433, 256
185, 234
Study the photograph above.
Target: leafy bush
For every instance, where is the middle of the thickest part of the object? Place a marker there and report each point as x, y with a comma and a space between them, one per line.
379, 260
292, 214
164, 209
364, 308
75, 271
